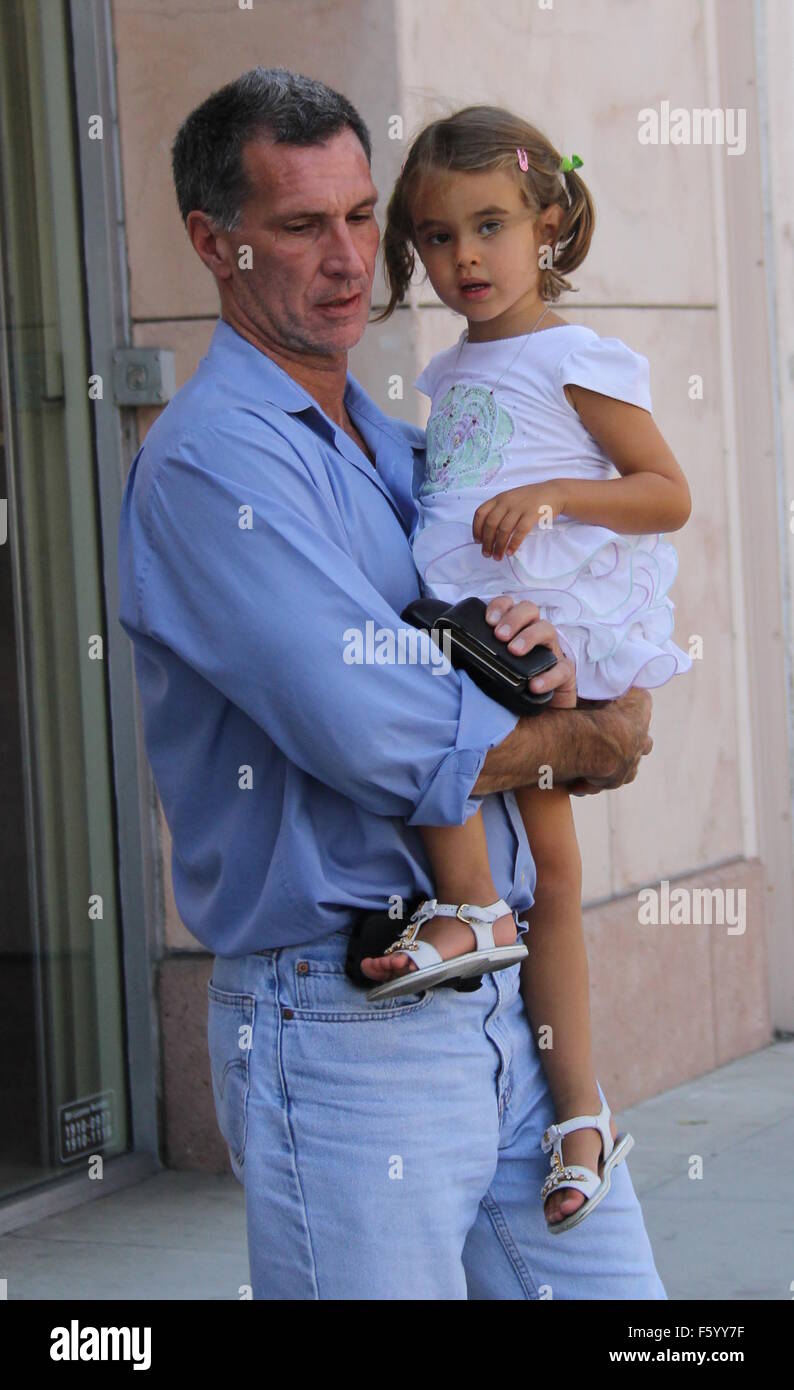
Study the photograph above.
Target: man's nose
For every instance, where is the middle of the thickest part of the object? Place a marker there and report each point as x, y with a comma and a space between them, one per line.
342, 256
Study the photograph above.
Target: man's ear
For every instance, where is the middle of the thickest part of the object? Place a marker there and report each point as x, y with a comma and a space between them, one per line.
206, 245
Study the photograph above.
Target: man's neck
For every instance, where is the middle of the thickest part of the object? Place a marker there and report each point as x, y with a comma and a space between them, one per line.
324, 378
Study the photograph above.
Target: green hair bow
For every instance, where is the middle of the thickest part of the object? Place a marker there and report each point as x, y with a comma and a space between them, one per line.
567, 164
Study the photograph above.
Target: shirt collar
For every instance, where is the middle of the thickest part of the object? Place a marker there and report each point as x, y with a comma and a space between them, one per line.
270, 382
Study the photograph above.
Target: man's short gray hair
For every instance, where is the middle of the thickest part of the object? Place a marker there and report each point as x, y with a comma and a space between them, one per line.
269, 103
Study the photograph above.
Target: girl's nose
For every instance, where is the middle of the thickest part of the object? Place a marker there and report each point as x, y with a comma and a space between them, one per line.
466, 257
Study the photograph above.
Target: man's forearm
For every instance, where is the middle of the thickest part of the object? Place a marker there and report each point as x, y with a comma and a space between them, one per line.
562, 739
593, 744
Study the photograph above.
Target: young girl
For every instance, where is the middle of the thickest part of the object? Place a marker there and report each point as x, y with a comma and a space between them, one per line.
530, 418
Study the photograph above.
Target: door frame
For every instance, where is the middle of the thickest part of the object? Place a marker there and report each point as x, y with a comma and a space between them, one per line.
115, 436
88, 25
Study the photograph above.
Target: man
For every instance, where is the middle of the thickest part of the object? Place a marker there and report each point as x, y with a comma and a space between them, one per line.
387, 1150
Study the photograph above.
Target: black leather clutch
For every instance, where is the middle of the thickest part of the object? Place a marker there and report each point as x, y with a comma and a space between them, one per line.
472, 647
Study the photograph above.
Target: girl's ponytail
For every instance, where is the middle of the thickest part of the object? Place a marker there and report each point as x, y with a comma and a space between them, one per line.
576, 233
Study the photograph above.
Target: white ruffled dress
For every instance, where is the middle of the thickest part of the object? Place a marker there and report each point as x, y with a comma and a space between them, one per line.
500, 419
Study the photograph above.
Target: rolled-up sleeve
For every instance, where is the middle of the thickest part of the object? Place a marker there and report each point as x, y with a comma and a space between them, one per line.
253, 585
446, 797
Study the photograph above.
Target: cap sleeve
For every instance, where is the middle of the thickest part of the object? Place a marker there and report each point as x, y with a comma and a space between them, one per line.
606, 365
426, 380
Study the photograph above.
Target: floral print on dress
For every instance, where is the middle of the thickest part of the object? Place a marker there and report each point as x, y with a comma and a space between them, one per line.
465, 439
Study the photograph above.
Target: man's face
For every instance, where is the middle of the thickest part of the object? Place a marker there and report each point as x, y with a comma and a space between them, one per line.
311, 226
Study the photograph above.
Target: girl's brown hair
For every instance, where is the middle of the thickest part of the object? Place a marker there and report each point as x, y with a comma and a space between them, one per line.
487, 137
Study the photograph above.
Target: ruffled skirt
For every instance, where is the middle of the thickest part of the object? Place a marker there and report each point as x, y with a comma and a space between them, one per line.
605, 593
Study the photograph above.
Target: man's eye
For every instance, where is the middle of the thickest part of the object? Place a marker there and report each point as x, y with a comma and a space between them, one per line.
306, 226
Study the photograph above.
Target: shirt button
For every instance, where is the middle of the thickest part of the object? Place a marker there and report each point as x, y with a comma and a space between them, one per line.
287, 1013
523, 876
302, 967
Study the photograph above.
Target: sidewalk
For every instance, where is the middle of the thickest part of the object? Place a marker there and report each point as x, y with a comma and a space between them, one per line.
725, 1236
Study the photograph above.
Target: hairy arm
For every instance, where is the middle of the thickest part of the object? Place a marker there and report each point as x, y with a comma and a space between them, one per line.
590, 745
588, 749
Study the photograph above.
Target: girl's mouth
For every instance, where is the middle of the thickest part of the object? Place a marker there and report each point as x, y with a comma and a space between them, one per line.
475, 291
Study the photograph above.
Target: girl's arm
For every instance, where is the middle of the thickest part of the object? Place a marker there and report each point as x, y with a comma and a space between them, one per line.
651, 494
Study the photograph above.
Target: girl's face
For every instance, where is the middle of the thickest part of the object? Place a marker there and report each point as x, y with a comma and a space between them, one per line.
475, 227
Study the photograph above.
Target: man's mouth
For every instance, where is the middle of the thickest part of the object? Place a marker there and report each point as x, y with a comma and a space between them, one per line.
344, 302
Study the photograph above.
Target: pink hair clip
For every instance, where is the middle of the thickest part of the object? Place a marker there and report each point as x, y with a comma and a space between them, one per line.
523, 161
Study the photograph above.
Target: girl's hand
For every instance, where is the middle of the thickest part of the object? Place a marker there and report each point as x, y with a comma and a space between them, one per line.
503, 521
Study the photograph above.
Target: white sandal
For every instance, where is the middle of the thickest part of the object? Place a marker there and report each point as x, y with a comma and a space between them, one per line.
432, 969
576, 1175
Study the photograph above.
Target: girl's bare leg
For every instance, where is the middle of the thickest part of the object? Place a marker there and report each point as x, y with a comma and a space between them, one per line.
461, 874
555, 980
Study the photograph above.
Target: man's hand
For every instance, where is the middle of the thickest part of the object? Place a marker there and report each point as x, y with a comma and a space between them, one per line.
624, 724
604, 740
521, 627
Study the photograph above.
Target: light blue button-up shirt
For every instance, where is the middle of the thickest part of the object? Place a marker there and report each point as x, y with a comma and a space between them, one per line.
256, 540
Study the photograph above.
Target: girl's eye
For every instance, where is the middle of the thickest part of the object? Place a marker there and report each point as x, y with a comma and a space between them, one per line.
431, 239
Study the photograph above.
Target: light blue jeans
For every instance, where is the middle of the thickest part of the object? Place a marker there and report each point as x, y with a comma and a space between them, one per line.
392, 1150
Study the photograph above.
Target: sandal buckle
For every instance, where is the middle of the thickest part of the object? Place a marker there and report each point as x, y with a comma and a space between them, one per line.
405, 942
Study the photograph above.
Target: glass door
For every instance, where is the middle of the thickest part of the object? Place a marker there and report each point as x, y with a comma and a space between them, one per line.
63, 1084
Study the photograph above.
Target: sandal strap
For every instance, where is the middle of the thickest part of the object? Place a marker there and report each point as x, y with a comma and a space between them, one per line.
577, 1176
554, 1135
423, 953
467, 911
480, 919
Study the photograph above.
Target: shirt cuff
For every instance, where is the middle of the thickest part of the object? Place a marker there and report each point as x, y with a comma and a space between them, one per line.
446, 797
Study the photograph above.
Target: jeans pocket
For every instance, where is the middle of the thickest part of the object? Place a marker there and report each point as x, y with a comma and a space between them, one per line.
230, 1035
326, 994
